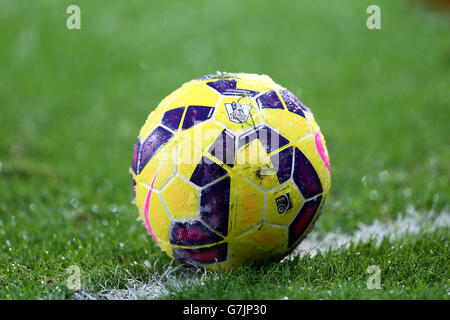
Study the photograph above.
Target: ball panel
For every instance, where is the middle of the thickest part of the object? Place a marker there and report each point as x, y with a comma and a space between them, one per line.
161, 165
195, 115
289, 125
254, 82
282, 162
224, 148
269, 100
293, 104
248, 206
158, 218
192, 233
269, 138
252, 162
193, 144
180, 198
214, 205
191, 94
305, 175
305, 217
265, 242
229, 88
151, 145
172, 118
196, 257
309, 149
206, 172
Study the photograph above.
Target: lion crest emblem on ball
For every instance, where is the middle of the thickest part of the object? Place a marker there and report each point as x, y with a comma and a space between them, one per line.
238, 112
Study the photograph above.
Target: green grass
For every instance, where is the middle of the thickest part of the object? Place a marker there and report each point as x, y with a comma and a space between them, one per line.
405, 272
72, 102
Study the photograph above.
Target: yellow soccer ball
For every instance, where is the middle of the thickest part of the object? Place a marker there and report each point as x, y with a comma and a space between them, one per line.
228, 170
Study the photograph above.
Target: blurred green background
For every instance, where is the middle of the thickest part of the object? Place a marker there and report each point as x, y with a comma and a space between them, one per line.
72, 103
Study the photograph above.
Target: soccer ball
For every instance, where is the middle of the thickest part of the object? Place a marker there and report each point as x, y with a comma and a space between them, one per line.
228, 170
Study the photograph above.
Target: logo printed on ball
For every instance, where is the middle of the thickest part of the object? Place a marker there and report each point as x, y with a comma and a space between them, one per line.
283, 203
237, 112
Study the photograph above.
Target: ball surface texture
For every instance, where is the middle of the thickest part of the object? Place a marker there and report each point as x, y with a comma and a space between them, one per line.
228, 170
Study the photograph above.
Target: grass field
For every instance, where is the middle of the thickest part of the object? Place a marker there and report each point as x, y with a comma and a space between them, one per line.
72, 102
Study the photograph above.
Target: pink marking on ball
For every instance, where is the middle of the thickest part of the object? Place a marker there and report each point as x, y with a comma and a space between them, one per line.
147, 209
321, 150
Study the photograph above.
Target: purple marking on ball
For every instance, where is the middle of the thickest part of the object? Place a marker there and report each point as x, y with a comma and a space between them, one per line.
172, 118
192, 234
196, 257
155, 140
223, 148
222, 85
207, 171
228, 88
269, 100
247, 138
134, 160
270, 139
293, 104
214, 205
303, 219
305, 176
196, 114
282, 161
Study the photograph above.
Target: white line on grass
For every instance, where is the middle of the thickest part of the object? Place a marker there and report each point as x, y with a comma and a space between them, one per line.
175, 278
156, 285
411, 223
